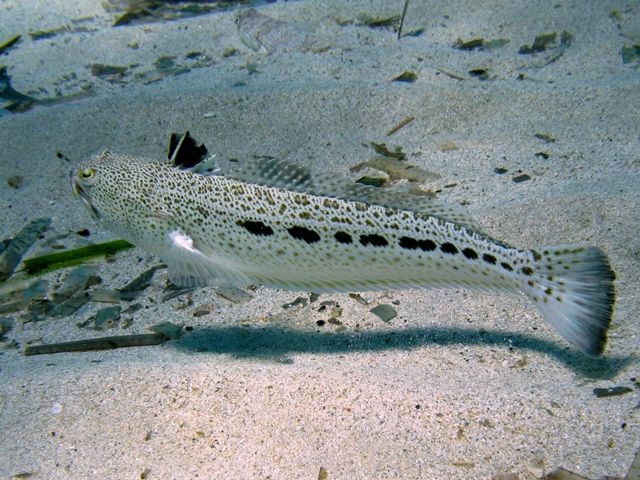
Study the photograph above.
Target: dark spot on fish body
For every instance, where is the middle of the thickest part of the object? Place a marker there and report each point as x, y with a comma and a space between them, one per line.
374, 240
303, 233
361, 207
255, 228
301, 200
527, 271
203, 211
408, 243
506, 266
489, 258
343, 237
449, 248
427, 245
470, 253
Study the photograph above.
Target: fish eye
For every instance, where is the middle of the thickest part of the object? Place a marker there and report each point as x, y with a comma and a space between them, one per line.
87, 173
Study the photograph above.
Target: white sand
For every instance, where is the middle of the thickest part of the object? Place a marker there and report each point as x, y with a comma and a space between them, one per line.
459, 385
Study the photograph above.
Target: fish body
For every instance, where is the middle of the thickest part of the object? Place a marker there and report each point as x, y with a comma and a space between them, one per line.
276, 224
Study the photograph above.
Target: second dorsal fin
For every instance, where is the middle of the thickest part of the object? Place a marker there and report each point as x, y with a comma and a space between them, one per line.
273, 172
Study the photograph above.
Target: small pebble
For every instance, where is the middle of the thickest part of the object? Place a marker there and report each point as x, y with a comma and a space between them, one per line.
407, 76
16, 181
523, 177
386, 313
170, 330
201, 312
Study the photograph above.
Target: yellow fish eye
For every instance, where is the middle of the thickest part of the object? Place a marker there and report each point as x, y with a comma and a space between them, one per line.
87, 173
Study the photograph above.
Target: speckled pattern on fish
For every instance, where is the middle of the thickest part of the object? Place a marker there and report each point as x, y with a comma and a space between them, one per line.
276, 224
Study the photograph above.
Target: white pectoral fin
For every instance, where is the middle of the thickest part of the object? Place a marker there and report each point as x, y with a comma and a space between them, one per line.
189, 266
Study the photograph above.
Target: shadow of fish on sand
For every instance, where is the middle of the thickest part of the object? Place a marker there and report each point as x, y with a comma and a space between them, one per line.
274, 342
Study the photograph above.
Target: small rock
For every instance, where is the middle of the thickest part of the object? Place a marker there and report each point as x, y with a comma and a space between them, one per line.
506, 476
201, 311
407, 76
447, 146
545, 137
323, 474
6, 324
298, 302
385, 312
170, 330
234, 294
107, 317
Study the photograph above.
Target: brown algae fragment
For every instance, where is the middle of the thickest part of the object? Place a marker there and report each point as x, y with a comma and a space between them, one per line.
541, 43
7, 44
611, 391
397, 170
406, 121
105, 71
358, 298
20, 244
104, 343
382, 149
447, 146
473, 44
378, 22
545, 137
479, 43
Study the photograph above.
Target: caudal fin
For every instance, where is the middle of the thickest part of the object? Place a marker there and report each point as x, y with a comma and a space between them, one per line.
573, 289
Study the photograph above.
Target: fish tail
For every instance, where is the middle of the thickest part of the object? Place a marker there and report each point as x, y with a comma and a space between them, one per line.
573, 288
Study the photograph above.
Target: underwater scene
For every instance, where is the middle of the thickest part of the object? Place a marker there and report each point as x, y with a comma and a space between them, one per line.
333, 240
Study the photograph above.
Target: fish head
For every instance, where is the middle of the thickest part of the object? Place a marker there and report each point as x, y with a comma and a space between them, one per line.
115, 189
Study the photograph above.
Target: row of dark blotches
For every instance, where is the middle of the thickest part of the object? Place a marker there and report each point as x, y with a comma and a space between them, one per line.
375, 240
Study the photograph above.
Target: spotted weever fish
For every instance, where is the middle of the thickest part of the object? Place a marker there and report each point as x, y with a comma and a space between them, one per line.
275, 223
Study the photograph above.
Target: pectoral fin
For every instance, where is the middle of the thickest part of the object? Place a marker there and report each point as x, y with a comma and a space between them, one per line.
189, 266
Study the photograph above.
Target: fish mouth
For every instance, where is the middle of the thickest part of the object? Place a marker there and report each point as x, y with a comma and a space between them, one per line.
78, 191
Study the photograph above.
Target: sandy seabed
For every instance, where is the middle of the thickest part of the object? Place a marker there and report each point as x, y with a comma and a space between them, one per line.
460, 384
